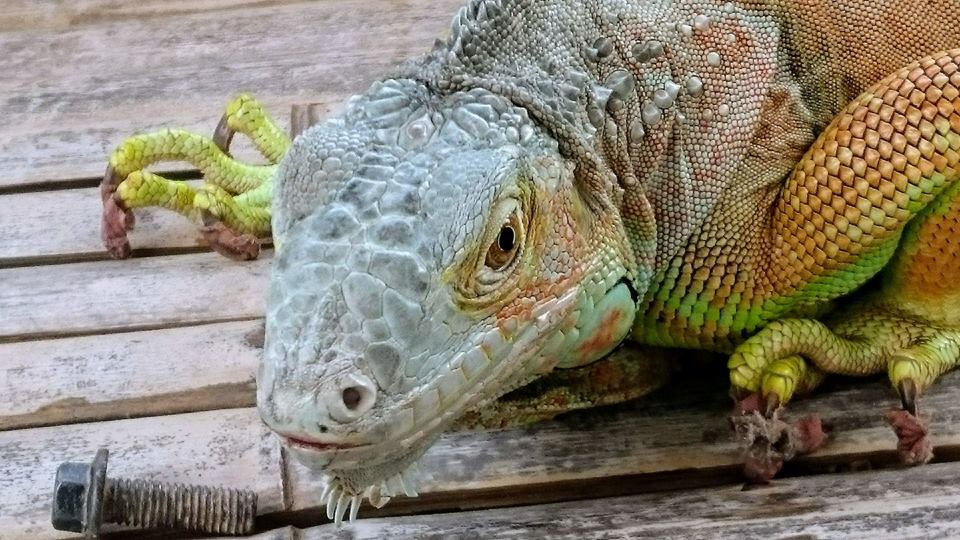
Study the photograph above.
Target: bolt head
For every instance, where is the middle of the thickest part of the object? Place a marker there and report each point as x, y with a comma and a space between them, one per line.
69, 494
77, 494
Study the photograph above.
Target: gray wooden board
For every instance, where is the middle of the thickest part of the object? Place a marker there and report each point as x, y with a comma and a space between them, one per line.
676, 438
913, 503
134, 294
677, 435
229, 448
45, 227
77, 83
129, 374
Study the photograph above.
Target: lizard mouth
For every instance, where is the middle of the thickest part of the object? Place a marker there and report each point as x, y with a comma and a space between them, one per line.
316, 446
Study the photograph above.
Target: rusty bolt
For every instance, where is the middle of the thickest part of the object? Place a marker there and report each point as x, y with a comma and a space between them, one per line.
84, 498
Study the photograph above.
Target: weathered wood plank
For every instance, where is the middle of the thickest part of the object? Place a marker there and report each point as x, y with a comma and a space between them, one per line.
134, 294
60, 14
139, 74
212, 448
64, 226
678, 436
126, 375
286, 533
913, 503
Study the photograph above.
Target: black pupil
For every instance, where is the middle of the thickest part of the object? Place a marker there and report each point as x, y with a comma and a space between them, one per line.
506, 239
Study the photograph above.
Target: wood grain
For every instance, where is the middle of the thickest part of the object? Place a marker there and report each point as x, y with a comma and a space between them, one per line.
62, 14
72, 92
913, 503
674, 439
126, 375
64, 226
679, 436
133, 294
216, 447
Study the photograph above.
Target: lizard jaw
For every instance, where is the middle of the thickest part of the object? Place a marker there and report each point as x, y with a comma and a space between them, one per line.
345, 489
348, 476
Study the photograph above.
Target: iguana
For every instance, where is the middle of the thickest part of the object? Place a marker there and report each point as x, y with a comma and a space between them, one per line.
770, 179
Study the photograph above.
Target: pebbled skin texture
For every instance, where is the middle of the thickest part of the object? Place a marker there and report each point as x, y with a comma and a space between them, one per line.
767, 178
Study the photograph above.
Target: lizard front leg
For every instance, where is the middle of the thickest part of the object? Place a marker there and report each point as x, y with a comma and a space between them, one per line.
233, 204
876, 193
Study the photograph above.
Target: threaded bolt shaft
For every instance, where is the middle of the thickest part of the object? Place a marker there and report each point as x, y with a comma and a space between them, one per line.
152, 505
84, 498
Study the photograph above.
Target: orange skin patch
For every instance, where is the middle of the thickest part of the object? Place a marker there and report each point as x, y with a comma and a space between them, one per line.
932, 271
604, 339
553, 225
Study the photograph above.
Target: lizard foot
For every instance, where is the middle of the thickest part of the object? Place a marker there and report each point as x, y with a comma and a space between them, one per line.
911, 371
764, 386
770, 440
234, 201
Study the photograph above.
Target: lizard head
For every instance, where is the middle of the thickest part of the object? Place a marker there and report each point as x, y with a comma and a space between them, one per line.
433, 253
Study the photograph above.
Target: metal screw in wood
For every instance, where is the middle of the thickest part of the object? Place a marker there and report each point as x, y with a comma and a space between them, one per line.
84, 498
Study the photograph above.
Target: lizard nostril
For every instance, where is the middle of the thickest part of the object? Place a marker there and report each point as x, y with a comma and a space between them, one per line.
352, 397
357, 396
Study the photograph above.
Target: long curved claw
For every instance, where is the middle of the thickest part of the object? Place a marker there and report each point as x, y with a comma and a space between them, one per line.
223, 135
907, 388
770, 404
115, 220
228, 242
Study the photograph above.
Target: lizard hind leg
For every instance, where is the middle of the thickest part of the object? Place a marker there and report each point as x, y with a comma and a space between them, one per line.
233, 204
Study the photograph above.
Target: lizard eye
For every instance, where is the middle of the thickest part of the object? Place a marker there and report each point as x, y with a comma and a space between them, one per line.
505, 247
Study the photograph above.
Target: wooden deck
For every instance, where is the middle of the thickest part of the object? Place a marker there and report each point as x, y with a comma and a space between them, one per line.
153, 358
